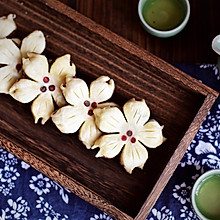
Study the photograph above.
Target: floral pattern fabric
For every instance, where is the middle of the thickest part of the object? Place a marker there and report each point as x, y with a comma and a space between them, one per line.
27, 194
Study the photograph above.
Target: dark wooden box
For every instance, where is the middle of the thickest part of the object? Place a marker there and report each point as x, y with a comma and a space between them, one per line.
176, 100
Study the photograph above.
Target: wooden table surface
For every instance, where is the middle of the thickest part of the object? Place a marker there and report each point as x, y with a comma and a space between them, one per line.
192, 45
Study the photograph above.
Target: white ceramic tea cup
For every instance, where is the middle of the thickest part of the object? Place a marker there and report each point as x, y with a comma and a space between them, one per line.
216, 44
163, 33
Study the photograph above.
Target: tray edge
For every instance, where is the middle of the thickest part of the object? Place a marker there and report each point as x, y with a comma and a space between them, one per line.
176, 157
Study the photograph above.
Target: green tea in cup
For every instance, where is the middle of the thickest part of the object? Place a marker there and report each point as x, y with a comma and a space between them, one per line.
164, 18
206, 196
164, 14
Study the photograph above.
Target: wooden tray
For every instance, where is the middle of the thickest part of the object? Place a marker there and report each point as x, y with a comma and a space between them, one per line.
176, 100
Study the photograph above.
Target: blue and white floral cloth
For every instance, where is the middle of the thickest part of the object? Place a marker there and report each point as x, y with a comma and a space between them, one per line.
27, 194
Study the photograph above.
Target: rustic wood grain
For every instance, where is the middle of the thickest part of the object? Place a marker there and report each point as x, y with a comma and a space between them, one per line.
176, 100
192, 45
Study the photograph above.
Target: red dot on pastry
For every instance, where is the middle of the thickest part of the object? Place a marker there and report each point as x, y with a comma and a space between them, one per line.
94, 105
43, 88
87, 103
129, 133
133, 140
90, 112
123, 137
52, 88
46, 79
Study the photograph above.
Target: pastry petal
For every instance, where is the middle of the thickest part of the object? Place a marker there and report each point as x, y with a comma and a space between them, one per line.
110, 145
151, 134
133, 155
75, 91
42, 107
9, 53
89, 133
68, 119
7, 25
58, 97
107, 104
35, 42
36, 67
62, 68
136, 112
8, 76
109, 119
102, 89
25, 90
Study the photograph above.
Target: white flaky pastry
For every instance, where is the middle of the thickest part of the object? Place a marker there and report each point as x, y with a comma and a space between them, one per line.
11, 57
82, 100
7, 25
43, 85
130, 131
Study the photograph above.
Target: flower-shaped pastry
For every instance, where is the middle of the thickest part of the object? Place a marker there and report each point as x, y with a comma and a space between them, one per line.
79, 114
131, 131
11, 57
43, 84
7, 25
